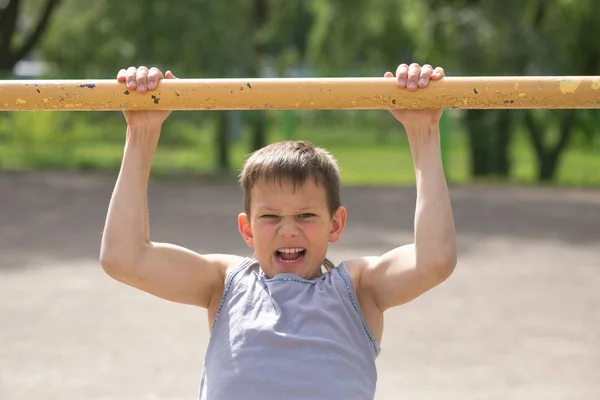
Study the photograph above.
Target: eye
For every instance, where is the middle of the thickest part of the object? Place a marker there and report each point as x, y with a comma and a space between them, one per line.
269, 216
307, 215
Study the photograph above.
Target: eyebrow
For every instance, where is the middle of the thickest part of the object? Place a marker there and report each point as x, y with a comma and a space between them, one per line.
269, 209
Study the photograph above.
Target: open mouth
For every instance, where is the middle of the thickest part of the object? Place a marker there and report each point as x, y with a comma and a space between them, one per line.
290, 255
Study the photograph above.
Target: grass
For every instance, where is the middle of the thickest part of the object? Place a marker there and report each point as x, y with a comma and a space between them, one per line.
371, 147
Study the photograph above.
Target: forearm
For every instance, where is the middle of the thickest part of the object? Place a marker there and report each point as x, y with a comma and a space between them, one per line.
127, 230
435, 243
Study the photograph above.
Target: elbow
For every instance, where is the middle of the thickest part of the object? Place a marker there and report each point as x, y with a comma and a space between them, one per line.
115, 264
442, 267
446, 266
118, 253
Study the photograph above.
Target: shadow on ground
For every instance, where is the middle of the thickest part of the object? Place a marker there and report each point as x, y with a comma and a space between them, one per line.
61, 215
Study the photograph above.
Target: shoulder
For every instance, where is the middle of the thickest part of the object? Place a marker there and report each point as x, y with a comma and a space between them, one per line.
357, 268
226, 264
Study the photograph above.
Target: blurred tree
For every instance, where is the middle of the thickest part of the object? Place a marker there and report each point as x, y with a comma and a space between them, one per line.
257, 37
363, 35
19, 31
562, 43
537, 37
193, 38
484, 38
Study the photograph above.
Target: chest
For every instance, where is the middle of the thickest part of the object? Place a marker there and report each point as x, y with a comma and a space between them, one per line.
289, 308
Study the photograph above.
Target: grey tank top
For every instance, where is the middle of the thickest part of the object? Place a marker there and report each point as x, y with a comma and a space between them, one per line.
289, 338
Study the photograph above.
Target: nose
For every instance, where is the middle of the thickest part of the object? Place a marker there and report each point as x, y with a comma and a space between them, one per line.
288, 228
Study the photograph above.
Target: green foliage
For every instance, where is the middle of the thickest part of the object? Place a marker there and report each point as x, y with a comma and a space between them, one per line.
370, 146
204, 38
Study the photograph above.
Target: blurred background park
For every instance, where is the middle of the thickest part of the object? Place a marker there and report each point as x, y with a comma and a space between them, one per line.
517, 320
71, 39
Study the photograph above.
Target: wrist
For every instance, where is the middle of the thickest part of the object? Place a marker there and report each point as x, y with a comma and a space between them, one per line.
424, 141
142, 139
143, 126
423, 129
423, 135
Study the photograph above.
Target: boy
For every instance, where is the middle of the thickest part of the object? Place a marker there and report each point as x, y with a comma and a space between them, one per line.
281, 327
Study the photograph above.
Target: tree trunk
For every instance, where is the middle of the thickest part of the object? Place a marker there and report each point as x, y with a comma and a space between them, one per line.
222, 141
259, 123
548, 156
489, 142
479, 143
503, 135
9, 16
258, 120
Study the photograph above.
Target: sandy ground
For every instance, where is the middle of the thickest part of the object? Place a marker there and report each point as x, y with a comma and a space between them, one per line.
519, 319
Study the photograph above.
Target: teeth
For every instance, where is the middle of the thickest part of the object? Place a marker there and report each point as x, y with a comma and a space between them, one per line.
296, 250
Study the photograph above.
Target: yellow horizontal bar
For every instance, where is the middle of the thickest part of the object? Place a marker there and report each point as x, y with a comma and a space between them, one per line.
304, 93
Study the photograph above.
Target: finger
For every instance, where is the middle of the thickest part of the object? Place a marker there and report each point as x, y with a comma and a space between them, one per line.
122, 75
130, 76
402, 75
438, 73
169, 75
388, 75
414, 71
154, 77
426, 72
141, 79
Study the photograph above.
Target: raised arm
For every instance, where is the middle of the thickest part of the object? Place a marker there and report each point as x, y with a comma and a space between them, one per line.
127, 253
408, 271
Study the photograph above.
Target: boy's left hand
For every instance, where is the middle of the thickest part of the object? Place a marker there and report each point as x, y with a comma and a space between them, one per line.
413, 77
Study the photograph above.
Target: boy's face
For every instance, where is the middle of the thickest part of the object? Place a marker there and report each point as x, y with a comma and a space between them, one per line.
289, 229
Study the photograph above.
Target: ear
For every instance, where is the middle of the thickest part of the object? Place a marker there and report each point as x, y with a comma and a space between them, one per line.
245, 229
338, 224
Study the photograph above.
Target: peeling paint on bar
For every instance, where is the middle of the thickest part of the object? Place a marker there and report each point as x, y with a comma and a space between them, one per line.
569, 86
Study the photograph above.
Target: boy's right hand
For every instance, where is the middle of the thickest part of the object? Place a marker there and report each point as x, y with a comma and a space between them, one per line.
143, 79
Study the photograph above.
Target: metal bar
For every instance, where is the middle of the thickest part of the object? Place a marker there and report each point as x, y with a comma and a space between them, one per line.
516, 92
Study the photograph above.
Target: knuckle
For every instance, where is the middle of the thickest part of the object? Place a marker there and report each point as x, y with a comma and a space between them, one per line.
154, 72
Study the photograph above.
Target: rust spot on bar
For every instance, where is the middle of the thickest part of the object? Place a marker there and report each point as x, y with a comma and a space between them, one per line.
88, 85
156, 99
248, 84
126, 92
475, 91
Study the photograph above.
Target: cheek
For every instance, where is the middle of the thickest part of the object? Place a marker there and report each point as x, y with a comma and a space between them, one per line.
262, 229
315, 229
